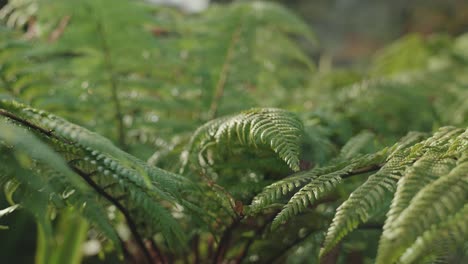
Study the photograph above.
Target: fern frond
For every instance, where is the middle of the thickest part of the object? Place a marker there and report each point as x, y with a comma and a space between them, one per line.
21, 140
16, 13
431, 205
420, 163
430, 167
312, 184
275, 191
93, 61
364, 201
453, 231
27, 150
308, 194
142, 186
445, 147
374, 194
276, 129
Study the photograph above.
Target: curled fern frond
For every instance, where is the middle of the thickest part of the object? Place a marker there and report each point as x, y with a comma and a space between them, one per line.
16, 13
272, 128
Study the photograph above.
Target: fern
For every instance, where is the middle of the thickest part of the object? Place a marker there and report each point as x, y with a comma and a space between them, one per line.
319, 177
166, 92
276, 129
433, 202
314, 183
365, 201
90, 154
28, 150
16, 13
401, 168
449, 233
402, 163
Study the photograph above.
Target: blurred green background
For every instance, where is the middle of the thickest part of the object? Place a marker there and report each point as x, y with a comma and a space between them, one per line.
352, 30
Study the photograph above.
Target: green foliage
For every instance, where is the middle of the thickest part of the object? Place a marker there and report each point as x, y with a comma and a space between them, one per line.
272, 128
91, 155
370, 197
39, 176
430, 201
162, 161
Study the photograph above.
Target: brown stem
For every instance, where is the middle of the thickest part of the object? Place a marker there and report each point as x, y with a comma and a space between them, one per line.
114, 85
232, 202
55, 35
224, 242
275, 258
130, 222
196, 249
219, 89
362, 170
27, 123
126, 252
210, 246
157, 252
332, 256
258, 232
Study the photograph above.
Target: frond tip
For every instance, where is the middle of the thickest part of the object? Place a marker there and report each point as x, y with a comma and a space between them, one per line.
277, 129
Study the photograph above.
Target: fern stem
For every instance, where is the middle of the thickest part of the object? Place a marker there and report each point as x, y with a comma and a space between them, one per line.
126, 252
157, 251
210, 246
275, 258
121, 136
212, 185
332, 256
219, 89
196, 248
224, 242
130, 222
258, 232
371, 227
367, 169
27, 123
57, 33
